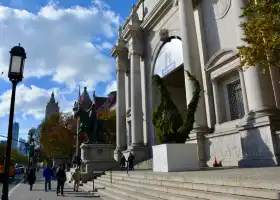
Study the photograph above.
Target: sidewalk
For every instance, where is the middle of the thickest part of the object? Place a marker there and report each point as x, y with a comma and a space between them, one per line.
22, 192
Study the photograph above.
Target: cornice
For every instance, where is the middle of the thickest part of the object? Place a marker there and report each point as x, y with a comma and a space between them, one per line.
161, 7
153, 15
116, 50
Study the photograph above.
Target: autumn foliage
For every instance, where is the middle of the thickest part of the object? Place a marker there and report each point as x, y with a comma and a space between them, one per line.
58, 135
109, 118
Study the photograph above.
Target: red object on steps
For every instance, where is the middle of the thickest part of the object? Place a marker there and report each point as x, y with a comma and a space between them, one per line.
215, 162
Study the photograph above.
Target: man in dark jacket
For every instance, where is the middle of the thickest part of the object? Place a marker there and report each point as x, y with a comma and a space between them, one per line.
78, 161
61, 179
130, 160
31, 177
48, 174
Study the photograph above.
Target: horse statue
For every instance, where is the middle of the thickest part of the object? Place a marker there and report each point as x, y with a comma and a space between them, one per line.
90, 124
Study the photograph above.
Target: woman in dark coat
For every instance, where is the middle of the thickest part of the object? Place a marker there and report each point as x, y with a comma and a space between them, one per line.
130, 160
61, 179
31, 177
122, 162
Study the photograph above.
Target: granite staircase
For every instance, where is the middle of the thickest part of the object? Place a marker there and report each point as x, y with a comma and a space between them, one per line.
211, 185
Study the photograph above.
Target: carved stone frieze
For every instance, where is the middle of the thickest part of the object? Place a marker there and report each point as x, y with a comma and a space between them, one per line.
176, 2
164, 35
221, 8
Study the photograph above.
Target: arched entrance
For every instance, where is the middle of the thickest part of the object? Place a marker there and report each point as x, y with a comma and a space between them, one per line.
169, 65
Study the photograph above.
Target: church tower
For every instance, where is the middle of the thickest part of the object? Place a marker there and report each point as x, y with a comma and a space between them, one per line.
52, 107
84, 100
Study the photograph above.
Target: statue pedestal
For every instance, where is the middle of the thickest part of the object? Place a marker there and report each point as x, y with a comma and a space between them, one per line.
96, 158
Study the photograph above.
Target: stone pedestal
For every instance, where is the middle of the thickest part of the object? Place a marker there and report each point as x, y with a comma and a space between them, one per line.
175, 157
96, 158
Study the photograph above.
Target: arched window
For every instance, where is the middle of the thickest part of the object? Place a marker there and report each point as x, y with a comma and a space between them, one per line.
169, 58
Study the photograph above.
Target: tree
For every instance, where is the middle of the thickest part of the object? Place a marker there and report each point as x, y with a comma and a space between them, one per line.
16, 155
58, 135
109, 118
261, 34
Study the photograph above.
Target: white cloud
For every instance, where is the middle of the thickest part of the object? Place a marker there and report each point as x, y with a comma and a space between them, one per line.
58, 42
32, 101
111, 87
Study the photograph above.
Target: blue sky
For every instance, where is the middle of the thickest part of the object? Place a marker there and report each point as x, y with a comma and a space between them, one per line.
67, 44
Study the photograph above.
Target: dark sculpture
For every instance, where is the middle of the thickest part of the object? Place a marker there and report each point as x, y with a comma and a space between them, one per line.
90, 124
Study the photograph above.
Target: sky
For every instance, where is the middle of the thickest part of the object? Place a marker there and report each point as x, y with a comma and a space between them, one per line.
67, 44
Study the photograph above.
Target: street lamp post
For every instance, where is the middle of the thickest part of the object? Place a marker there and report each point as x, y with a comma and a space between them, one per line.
15, 75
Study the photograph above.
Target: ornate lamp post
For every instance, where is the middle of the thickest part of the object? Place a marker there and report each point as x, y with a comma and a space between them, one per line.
15, 75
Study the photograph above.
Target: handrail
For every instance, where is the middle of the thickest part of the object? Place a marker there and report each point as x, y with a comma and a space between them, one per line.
110, 169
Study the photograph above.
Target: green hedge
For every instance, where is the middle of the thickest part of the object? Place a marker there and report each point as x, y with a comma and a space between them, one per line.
170, 127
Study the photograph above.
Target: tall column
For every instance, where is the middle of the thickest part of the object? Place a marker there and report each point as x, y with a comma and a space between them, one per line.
135, 48
217, 101
128, 105
191, 58
137, 138
121, 54
259, 88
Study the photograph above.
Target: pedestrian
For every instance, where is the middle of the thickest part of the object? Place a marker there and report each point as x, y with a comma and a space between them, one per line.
61, 179
31, 177
122, 162
26, 170
76, 177
78, 161
130, 160
48, 174
54, 172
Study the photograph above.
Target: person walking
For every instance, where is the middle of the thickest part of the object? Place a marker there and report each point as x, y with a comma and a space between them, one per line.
78, 161
48, 174
130, 160
76, 177
122, 162
61, 179
31, 177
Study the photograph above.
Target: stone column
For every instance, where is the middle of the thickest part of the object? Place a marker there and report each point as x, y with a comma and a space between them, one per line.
259, 88
121, 54
137, 138
216, 101
191, 58
192, 64
135, 46
244, 93
128, 105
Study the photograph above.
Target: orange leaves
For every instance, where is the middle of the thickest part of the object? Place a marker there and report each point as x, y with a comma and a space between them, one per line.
58, 135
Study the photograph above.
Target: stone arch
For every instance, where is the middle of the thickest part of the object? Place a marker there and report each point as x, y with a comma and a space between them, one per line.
221, 57
157, 49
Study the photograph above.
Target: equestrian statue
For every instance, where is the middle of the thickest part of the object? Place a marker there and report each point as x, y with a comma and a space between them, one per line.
90, 124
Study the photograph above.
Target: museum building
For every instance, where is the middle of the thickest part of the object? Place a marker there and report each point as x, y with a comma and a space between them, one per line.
237, 119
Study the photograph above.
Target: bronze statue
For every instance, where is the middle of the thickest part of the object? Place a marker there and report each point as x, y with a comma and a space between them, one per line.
90, 124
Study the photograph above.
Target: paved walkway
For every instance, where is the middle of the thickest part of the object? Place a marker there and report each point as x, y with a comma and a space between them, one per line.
22, 192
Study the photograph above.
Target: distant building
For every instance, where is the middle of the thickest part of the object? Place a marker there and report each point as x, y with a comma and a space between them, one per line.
15, 135
109, 103
3, 142
21, 145
52, 107
101, 103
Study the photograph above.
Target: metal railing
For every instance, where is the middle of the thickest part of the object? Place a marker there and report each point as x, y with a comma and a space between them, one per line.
95, 175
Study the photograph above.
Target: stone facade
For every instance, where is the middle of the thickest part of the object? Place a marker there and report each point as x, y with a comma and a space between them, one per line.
51, 107
237, 120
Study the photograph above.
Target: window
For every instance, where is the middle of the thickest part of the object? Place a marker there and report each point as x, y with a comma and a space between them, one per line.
169, 58
235, 98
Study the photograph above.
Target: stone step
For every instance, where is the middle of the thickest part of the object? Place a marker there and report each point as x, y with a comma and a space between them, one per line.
109, 195
124, 192
238, 180
172, 192
165, 185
